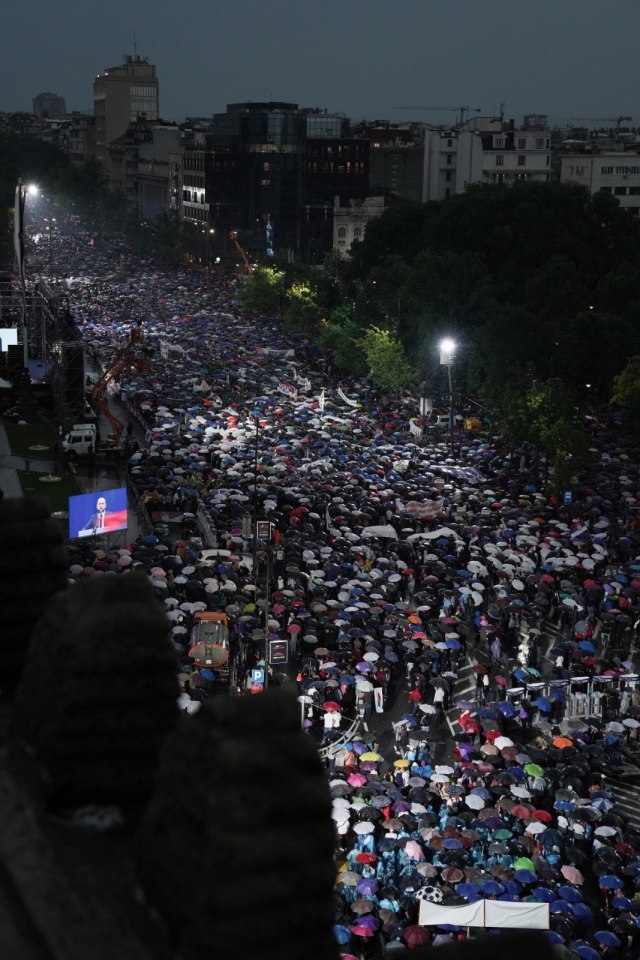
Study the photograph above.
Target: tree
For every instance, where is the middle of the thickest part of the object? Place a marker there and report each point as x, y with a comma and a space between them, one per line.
264, 290
388, 366
339, 338
301, 312
626, 394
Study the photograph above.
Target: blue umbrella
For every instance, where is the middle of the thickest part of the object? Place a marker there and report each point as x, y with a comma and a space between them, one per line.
583, 912
561, 906
554, 936
525, 876
607, 938
544, 894
492, 888
621, 903
342, 934
467, 890
542, 703
586, 952
507, 709
609, 882
571, 894
208, 674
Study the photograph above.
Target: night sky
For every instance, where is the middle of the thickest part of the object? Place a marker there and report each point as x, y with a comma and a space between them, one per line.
564, 58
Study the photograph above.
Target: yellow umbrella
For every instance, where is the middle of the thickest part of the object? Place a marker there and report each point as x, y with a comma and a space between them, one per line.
402, 764
371, 756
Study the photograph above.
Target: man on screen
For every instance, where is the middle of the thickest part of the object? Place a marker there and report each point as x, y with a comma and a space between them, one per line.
103, 520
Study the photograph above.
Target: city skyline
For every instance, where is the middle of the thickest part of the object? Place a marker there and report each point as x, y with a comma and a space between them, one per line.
567, 60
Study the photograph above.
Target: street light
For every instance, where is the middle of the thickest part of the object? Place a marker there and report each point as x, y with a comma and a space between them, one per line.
50, 223
447, 356
18, 244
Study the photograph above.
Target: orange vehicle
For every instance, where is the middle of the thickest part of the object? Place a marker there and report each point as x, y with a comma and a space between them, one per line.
211, 643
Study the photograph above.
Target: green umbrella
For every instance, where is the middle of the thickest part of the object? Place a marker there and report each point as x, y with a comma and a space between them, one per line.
524, 863
534, 770
502, 834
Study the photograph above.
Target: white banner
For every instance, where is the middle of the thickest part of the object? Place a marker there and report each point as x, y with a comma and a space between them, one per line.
516, 914
305, 384
414, 429
462, 915
321, 401
289, 389
378, 699
351, 403
420, 508
487, 913
167, 349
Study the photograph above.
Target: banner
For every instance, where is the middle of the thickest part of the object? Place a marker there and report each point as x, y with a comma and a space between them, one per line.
321, 401
414, 429
462, 915
305, 384
168, 349
512, 914
516, 915
417, 508
351, 403
378, 699
289, 389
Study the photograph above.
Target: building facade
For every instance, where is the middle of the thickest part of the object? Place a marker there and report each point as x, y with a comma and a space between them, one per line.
274, 172
614, 173
350, 223
453, 159
49, 105
122, 95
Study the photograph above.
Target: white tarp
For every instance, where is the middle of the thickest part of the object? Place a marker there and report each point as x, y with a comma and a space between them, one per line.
463, 915
487, 913
515, 914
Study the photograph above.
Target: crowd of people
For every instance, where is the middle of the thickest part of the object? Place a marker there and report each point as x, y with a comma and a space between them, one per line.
390, 563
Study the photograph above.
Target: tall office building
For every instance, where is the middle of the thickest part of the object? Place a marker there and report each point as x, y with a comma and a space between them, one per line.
49, 105
121, 95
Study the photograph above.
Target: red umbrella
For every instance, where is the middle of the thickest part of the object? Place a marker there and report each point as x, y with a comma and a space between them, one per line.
520, 811
365, 856
415, 936
361, 931
543, 815
492, 734
294, 628
479, 669
501, 681
331, 706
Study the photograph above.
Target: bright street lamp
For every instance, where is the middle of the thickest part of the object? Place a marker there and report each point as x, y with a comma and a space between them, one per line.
18, 245
447, 356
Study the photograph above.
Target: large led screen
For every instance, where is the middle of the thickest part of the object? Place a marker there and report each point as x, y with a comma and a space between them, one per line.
97, 513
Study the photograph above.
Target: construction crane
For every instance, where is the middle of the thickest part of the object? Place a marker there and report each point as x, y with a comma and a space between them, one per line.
616, 120
132, 354
462, 111
233, 236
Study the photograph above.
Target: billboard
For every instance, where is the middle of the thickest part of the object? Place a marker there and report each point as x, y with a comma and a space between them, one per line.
97, 513
8, 338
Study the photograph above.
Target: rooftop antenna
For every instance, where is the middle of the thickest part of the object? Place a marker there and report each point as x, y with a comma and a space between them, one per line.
502, 109
135, 46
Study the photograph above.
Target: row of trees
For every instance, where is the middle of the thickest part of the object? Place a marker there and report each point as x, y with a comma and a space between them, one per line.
539, 284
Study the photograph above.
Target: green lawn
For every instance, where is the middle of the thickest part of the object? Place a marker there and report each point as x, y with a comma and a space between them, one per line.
57, 493
21, 438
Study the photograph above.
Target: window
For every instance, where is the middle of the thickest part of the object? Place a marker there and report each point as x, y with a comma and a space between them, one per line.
500, 160
521, 160
608, 189
265, 183
634, 191
498, 143
539, 143
449, 143
607, 171
620, 191
449, 158
448, 176
357, 232
342, 232
522, 143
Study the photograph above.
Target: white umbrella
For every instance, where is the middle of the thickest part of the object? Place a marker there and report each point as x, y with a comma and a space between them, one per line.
364, 826
386, 531
502, 742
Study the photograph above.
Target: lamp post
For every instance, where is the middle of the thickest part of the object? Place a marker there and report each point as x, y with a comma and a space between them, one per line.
50, 223
447, 356
18, 243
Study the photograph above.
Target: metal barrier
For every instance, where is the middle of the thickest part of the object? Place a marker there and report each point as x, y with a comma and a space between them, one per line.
343, 740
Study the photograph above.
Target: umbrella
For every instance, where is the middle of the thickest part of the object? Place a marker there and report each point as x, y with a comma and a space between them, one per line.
610, 882
415, 936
